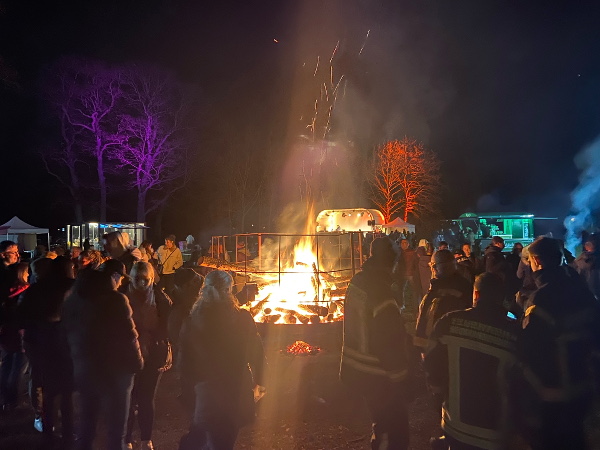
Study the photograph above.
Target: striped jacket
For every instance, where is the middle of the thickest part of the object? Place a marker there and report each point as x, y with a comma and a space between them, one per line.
375, 352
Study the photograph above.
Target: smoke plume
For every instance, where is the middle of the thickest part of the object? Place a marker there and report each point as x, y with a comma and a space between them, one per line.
585, 198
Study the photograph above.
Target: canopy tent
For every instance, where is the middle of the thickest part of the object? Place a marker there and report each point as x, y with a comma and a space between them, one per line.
23, 233
398, 225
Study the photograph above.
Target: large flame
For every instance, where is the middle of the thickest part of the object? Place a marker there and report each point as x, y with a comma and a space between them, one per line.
299, 292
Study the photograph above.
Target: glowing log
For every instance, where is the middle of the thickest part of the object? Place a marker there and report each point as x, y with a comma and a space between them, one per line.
272, 318
288, 313
315, 309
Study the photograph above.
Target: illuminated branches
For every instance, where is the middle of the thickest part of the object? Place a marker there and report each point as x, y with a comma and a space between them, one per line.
84, 95
405, 179
127, 117
151, 135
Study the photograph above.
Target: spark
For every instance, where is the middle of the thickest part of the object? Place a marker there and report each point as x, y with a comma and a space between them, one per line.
364, 43
334, 51
317, 66
276, 41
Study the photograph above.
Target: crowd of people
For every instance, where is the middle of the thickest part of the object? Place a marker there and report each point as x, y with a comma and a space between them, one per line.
106, 325
509, 343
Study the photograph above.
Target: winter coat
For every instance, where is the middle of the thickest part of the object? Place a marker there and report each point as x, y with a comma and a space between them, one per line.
99, 328
376, 349
221, 356
450, 293
560, 334
495, 262
10, 338
468, 362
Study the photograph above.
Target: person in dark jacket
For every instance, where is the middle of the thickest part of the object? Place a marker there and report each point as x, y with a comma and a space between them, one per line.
223, 359
117, 246
464, 266
449, 291
424, 251
476, 261
514, 257
555, 348
187, 291
525, 275
105, 350
50, 366
495, 262
11, 348
376, 349
588, 264
468, 362
151, 308
411, 286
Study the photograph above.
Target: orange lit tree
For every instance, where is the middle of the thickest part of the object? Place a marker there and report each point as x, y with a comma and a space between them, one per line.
405, 180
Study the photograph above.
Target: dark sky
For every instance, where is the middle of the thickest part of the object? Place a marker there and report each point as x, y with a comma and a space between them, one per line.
506, 93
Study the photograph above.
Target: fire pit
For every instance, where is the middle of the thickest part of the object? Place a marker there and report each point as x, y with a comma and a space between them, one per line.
298, 278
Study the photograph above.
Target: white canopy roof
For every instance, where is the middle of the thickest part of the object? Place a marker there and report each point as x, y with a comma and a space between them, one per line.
400, 225
17, 226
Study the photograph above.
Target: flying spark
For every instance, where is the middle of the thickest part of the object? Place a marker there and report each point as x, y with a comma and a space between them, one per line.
364, 43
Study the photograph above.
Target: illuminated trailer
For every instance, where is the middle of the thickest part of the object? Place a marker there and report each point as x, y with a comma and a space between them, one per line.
346, 220
93, 232
479, 228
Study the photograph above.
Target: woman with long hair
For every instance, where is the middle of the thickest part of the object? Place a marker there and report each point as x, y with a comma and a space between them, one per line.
222, 359
151, 308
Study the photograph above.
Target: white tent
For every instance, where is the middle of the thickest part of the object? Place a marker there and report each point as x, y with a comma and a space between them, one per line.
398, 225
23, 233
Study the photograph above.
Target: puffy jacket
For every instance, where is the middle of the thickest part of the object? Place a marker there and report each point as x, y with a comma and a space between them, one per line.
221, 358
99, 327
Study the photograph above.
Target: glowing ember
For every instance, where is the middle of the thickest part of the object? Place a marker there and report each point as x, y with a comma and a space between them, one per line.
301, 348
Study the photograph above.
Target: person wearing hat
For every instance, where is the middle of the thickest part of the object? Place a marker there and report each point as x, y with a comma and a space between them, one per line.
104, 345
449, 291
557, 351
375, 352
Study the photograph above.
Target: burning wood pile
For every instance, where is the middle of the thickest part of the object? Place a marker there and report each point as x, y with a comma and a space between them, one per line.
292, 286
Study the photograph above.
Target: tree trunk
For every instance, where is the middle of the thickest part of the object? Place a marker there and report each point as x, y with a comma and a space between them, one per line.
141, 206
101, 178
76, 193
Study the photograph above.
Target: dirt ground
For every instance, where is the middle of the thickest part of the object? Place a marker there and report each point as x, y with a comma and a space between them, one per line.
305, 407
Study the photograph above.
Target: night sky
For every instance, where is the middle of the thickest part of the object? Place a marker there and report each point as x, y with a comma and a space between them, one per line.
506, 93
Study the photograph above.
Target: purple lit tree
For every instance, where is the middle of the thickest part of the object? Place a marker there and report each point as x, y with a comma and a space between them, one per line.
152, 142
112, 119
85, 94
